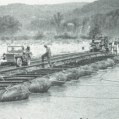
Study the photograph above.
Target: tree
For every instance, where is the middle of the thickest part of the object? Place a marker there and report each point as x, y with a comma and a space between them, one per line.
57, 20
94, 31
9, 25
39, 23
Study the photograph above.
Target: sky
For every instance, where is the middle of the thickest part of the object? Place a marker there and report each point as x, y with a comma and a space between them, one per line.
5, 2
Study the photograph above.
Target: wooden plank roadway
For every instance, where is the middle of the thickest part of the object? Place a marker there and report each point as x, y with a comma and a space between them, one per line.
26, 76
57, 60
35, 61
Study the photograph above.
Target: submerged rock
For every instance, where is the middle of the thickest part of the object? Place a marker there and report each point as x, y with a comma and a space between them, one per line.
58, 78
116, 59
85, 67
85, 72
14, 93
75, 74
105, 64
72, 74
57, 83
101, 65
109, 63
94, 66
88, 68
40, 85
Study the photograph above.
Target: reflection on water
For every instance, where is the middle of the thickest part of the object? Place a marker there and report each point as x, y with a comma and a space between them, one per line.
92, 97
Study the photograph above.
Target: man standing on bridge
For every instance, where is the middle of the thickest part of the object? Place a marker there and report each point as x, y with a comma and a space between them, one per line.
28, 55
46, 55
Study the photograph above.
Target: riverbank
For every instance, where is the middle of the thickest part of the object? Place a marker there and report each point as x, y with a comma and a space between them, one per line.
57, 47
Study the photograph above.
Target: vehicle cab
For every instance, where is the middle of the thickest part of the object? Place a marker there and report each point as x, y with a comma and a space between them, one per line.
17, 55
99, 44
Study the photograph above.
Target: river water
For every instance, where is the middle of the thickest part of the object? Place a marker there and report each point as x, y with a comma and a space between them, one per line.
92, 97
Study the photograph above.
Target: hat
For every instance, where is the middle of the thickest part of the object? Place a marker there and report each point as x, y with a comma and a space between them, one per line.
45, 45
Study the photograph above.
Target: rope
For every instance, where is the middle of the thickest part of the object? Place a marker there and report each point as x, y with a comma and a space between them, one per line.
78, 97
111, 80
102, 85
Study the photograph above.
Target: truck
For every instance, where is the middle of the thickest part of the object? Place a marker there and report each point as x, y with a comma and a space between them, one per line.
17, 55
99, 44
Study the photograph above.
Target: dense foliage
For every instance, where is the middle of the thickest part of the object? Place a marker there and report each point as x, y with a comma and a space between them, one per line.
9, 25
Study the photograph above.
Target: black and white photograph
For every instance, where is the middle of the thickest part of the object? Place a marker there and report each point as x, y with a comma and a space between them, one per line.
59, 59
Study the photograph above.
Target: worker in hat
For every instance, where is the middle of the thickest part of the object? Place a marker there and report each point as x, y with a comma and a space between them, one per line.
46, 55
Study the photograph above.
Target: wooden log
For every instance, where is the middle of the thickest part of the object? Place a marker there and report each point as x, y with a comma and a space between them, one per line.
9, 82
28, 75
19, 78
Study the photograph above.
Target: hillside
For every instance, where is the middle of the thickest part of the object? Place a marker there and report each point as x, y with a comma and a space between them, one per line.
99, 6
26, 13
108, 23
104, 13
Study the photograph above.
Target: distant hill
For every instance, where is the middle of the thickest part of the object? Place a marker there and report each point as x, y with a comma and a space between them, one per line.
99, 6
105, 13
26, 13
108, 23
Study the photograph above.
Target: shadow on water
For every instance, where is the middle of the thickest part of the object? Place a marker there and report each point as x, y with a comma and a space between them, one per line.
33, 97
47, 97
58, 89
40, 97
15, 103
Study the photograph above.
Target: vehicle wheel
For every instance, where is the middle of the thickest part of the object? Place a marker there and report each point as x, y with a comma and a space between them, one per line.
28, 62
19, 62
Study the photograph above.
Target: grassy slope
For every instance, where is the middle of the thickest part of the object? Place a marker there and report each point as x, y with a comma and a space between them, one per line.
102, 12
25, 13
100, 6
